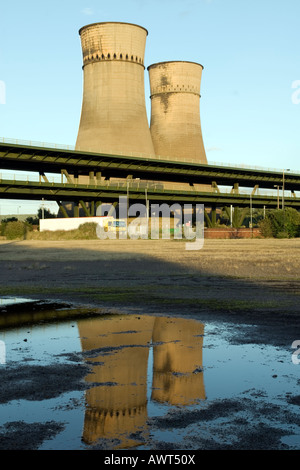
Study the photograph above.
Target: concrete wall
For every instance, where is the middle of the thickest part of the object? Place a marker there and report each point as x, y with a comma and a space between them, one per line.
232, 233
71, 223
175, 110
113, 117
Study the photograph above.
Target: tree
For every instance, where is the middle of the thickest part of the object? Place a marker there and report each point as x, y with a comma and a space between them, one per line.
47, 214
10, 219
32, 220
281, 223
14, 230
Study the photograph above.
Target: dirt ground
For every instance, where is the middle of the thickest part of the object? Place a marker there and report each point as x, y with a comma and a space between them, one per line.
250, 281
257, 279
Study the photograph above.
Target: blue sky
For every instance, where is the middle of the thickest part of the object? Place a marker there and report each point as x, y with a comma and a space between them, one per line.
250, 112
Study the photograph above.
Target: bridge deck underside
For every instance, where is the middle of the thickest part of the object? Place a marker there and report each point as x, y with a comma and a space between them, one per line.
75, 192
105, 167
53, 161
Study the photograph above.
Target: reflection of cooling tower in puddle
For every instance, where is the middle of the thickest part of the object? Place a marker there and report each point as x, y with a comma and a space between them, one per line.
175, 110
113, 117
177, 369
117, 407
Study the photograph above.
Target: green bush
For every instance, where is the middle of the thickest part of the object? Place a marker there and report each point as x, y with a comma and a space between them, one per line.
265, 226
14, 230
87, 231
281, 224
283, 235
2, 228
32, 220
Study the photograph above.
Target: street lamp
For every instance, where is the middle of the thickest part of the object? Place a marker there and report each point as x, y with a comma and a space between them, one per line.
251, 218
283, 187
283, 196
127, 194
276, 186
43, 211
147, 205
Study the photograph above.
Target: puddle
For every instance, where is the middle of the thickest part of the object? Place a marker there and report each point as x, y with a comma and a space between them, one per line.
142, 382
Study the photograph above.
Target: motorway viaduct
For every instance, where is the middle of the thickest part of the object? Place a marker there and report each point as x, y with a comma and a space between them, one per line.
109, 176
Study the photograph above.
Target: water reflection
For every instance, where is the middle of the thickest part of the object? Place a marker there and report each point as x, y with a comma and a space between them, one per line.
118, 349
8, 301
143, 370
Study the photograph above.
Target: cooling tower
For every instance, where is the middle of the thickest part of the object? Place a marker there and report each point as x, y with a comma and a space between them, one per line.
113, 116
175, 110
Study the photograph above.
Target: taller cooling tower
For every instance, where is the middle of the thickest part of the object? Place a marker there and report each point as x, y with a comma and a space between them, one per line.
113, 115
175, 110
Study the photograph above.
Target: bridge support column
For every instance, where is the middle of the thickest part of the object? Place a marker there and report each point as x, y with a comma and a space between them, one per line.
212, 219
92, 208
85, 209
112, 209
235, 188
91, 178
215, 187
62, 209
66, 174
214, 215
98, 177
76, 209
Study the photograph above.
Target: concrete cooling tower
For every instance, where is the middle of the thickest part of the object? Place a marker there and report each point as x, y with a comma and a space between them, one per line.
113, 116
175, 110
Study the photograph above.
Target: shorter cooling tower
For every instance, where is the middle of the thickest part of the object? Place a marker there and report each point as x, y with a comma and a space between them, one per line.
175, 110
113, 116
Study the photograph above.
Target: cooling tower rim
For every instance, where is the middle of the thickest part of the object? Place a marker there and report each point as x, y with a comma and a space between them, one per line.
112, 23
174, 62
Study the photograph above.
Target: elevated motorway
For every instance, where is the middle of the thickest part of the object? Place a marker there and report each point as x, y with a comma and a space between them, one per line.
52, 160
88, 179
107, 191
